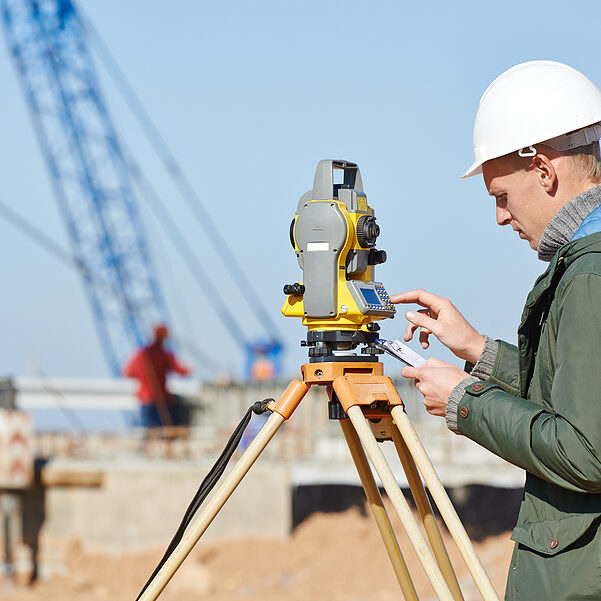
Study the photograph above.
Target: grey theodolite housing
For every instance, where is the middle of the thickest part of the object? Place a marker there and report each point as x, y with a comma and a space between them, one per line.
334, 234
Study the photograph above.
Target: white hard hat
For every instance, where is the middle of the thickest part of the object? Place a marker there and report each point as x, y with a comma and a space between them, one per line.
535, 102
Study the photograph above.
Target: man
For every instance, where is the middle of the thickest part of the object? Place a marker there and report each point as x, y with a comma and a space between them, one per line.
537, 405
150, 366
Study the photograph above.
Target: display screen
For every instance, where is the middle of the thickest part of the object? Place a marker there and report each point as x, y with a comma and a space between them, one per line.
370, 296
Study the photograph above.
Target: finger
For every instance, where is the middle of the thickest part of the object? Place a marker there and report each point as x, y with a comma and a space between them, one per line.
424, 335
410, 372
428, 313
433, 408
424, 389
435, 362
411, 327
421, 297
409, 332
422, 320
428, 404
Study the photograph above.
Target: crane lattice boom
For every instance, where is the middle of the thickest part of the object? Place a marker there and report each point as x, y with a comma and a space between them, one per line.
88, 171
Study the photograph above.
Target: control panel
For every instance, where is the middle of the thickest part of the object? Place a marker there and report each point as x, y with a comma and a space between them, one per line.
371, 298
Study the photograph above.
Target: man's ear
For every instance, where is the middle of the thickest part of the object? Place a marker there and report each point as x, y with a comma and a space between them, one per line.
545, 173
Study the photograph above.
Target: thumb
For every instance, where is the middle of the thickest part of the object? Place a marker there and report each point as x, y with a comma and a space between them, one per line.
435, 362
410, 372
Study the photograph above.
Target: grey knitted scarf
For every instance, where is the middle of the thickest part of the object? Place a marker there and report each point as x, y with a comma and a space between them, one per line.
567, 220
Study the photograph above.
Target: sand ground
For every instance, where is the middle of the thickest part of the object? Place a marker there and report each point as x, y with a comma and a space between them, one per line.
329, 557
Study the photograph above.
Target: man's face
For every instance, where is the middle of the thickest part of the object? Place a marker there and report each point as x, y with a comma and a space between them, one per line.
521, 201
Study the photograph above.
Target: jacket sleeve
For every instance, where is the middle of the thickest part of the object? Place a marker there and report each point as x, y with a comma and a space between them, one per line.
505, 372
559, 441
133, 368
176, 366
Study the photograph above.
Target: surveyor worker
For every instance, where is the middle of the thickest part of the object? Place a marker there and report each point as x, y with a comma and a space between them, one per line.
537, 405
150, 365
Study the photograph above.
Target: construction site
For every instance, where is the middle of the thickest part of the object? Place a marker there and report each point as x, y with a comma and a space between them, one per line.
85, 511
180, 181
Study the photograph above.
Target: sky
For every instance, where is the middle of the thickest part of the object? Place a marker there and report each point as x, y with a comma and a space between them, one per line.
249, 97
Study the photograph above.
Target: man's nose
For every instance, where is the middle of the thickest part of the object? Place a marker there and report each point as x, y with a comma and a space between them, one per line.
503, 216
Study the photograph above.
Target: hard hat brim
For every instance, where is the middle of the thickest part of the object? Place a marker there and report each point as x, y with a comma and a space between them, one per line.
475, 169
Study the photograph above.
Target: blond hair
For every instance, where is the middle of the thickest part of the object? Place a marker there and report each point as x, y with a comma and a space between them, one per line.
585, 160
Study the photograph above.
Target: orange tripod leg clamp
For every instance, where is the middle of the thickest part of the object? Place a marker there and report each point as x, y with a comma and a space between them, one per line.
374, 393
290, 400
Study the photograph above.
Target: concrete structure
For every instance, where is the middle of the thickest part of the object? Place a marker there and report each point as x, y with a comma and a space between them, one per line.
138, 504
109, 491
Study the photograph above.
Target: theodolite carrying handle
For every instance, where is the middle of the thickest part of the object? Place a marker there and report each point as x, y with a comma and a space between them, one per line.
324, 187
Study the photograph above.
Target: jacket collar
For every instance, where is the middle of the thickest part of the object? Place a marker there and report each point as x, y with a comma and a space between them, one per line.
540, 298
563, 258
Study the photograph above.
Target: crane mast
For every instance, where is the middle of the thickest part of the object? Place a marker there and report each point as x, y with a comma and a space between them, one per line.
88, 171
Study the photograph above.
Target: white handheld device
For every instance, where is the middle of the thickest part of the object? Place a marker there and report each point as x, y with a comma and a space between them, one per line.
399, 350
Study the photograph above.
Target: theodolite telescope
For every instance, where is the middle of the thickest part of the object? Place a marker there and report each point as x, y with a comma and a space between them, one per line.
334, 233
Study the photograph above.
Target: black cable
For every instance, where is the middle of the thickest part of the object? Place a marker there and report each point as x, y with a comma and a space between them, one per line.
208, 484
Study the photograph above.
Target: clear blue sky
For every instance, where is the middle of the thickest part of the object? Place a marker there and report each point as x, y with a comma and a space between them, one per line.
250, 96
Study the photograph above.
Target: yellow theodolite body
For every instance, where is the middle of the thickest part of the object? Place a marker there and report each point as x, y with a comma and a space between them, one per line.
334, 234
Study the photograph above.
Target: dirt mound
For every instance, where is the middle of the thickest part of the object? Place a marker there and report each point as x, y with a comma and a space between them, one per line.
329, 557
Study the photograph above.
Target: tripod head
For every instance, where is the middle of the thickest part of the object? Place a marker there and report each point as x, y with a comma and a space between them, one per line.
334, 233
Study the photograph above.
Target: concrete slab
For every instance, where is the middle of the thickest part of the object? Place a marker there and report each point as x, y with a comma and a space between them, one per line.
139, 504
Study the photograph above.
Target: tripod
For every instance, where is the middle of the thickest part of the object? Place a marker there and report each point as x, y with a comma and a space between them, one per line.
375, 412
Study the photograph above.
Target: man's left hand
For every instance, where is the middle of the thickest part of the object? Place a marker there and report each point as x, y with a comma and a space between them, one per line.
435, 380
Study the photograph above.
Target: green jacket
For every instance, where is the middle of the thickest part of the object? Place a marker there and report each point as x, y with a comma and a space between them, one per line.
541, 410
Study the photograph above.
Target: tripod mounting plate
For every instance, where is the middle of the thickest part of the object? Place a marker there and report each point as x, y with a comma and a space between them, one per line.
324, 374
356, 384
327, 346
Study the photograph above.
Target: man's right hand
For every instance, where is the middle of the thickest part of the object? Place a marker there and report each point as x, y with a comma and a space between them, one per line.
441, 318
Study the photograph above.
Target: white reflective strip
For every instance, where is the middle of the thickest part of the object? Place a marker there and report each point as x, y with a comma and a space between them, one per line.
318, 246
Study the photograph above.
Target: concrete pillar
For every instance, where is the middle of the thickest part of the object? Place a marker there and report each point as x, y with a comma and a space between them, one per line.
16, 560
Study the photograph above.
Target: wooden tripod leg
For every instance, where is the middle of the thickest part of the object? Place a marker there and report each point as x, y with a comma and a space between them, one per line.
444, 505
400, 503
377, 507
425, 511
288, 402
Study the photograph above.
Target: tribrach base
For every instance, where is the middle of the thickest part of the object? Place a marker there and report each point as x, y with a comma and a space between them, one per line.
366, 396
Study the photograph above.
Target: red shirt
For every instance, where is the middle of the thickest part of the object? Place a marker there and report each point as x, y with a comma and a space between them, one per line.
150, 367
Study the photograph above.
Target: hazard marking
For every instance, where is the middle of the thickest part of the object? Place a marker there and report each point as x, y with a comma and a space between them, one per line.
19, 437
16, 449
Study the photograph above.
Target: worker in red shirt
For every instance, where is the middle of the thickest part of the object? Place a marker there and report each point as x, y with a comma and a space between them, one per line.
150, 366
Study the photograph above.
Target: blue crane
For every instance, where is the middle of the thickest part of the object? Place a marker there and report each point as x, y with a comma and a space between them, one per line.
88, 172
92, 181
